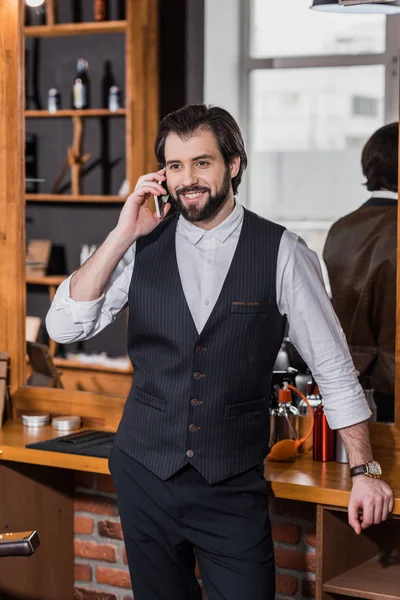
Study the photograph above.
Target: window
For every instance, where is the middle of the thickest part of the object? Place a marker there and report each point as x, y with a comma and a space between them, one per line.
365, 107
315, 86
289, 28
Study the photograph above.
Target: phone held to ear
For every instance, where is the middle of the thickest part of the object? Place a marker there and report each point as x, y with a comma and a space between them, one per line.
160, 202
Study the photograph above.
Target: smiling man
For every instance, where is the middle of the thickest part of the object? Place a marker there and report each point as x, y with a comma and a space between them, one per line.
210, 290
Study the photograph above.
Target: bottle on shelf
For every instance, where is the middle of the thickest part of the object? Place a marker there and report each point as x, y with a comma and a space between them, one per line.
99, 10
53, 100
81, 86
284, 421
114, 98
314, 399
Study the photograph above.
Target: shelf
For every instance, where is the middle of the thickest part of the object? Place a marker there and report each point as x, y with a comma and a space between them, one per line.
69, 29
90, 112
46, 280
71, 198
370, 580
76, 364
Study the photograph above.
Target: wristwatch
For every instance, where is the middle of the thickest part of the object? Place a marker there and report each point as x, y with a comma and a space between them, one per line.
371, 469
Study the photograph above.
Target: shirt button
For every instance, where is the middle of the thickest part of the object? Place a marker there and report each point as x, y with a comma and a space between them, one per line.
194, 402
197, 375
206, 302
192, 427
209, 261
189, 453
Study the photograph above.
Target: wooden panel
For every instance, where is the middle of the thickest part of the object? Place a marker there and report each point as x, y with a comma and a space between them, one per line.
12, 168
72, 29
369, 580
152, 84
14, 437
96, 410
339, 549
89, 112
50, 12
136, 47
92, 380
66, 363
38, 498
72, 198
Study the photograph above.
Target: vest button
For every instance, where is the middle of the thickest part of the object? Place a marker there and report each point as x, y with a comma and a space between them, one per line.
197, 375
194, 402
189, 453
192, 427
199, 349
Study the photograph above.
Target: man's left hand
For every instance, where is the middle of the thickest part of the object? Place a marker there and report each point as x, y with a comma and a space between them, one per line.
373, 498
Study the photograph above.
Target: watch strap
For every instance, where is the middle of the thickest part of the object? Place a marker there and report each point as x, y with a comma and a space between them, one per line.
359, 470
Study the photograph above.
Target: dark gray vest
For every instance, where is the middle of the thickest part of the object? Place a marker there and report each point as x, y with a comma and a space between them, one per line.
202, 398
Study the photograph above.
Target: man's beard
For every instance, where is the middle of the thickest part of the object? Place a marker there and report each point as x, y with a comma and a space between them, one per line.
212, 206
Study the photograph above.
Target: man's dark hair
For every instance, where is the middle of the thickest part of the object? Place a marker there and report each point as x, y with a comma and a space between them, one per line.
185, 121
380, 159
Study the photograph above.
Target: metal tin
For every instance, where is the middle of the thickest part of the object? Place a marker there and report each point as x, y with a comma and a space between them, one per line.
67, 423
341, 454
35, 419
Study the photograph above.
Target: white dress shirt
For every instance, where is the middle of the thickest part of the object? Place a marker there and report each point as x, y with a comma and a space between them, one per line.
204, 258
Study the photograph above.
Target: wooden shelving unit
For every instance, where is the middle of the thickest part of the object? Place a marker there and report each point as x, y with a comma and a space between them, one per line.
89, 112
140, 28
349, 566
370, 580
70, 29
76, 364
72, 198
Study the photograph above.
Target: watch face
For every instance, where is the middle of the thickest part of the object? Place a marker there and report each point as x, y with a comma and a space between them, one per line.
374, 468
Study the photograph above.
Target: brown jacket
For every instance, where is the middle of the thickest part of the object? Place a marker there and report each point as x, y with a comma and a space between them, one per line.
361, 254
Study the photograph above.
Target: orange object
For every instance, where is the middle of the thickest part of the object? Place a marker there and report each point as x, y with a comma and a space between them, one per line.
287, 449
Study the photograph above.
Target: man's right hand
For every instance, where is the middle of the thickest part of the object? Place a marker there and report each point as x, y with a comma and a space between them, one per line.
136, 218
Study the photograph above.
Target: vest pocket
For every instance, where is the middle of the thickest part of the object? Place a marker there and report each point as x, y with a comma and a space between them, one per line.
148, 399
233, 410
246, 308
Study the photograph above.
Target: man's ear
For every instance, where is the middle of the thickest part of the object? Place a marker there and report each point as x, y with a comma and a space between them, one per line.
235, 166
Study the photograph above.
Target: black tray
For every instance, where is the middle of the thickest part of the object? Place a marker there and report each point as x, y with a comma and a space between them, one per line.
89, 443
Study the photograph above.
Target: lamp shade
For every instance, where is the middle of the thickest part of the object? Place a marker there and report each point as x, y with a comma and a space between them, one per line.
383, 8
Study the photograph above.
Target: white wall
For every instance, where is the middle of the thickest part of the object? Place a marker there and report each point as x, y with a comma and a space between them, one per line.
221, 61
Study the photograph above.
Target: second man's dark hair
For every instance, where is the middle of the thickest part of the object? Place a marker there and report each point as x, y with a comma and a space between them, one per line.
185, 121
380, 159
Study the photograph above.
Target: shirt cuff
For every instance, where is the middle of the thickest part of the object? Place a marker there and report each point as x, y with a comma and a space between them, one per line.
354, 409
80, 311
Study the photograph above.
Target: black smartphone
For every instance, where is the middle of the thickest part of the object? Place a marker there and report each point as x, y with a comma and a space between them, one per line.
160, 201
23, 543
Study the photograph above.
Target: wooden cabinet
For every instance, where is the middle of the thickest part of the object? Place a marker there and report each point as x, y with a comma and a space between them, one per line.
350, 566
84, 209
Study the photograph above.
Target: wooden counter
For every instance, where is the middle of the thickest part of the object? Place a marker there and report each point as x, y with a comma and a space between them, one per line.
304, 479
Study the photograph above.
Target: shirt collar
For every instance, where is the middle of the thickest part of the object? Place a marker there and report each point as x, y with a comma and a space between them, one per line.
384, 194
194, 234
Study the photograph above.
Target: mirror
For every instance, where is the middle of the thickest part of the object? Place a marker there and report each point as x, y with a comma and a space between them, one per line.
312, 104
12, 208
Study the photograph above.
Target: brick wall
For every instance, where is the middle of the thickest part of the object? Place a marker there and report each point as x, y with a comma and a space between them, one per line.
101, 571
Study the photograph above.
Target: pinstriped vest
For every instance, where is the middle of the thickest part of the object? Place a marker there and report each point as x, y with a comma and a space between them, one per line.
202, 398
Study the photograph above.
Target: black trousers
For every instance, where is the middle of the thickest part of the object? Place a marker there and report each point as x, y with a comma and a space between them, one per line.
167, 523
